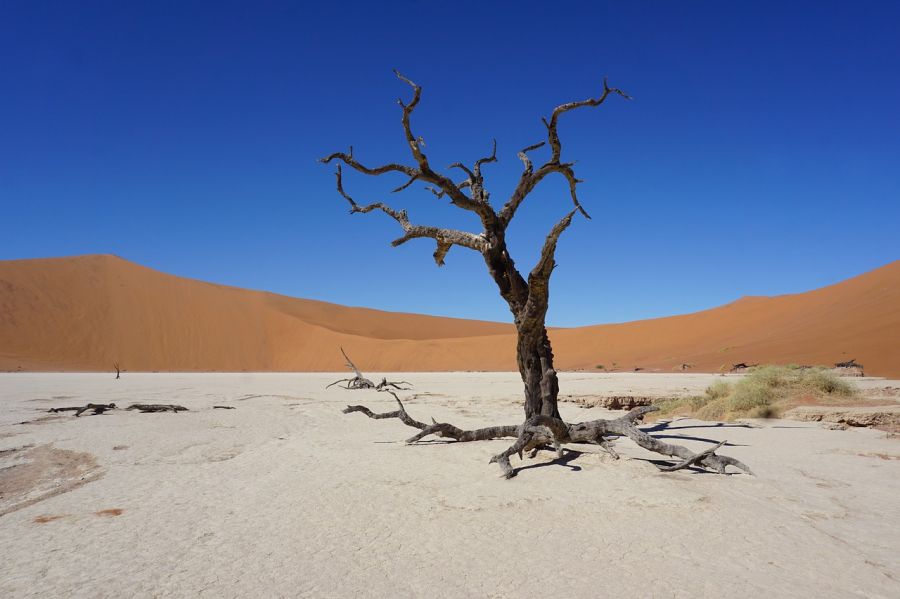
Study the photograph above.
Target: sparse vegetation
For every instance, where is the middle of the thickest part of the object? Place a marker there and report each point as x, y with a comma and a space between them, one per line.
767, 392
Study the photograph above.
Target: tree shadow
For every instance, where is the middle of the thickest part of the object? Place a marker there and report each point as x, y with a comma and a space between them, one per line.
569, 455
666, 425
700, 439
667, 463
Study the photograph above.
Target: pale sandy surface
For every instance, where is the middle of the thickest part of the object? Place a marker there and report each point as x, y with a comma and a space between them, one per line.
286, 496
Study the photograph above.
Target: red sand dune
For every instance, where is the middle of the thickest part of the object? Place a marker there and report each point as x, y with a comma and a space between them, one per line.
87, 312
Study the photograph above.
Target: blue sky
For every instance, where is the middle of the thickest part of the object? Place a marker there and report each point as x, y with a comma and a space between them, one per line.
760, 155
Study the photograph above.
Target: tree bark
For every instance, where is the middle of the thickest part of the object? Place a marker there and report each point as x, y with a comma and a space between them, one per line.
535, 360
528, 302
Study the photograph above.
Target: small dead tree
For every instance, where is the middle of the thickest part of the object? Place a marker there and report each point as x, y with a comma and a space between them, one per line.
118, 371
848, 364
358, 381
361, 382
527, 297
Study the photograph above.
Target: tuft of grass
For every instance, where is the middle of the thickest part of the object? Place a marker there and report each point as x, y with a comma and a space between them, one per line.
766, 392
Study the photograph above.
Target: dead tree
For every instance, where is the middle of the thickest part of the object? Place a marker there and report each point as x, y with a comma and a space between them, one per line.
361, 382
527, 297
116, 366
848, 364
358, 381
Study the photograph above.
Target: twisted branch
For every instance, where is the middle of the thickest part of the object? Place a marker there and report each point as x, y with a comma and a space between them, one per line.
541, 430
530, 179
445, 238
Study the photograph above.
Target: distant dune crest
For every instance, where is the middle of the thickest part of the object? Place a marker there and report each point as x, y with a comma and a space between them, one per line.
89, 312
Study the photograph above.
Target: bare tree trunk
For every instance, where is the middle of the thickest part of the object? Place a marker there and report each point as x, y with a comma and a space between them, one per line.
535, 360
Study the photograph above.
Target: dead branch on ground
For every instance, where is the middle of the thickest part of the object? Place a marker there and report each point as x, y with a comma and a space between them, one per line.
540, 430
98, 408
156, 407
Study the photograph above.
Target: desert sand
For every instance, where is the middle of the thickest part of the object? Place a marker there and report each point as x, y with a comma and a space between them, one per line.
286, 496
87, 312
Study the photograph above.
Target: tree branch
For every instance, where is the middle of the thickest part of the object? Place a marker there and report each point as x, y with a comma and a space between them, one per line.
531, 178
553, 135
445, 238
546, 262
425, 172
539, 278
485, 160
348, 159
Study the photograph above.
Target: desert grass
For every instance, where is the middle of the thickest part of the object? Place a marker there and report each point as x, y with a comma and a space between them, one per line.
766, 392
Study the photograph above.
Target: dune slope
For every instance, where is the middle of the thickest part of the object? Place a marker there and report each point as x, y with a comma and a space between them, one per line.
86, 312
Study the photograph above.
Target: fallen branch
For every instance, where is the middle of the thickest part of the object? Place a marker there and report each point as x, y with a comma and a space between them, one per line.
98, 408
156, 407
540, 431
384, 384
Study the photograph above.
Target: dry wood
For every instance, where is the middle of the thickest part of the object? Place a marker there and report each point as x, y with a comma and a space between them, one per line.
541, 430
361, 382
98, 408
118, 370
156, 407
848, 364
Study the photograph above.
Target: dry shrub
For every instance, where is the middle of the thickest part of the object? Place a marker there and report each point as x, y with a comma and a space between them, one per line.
766, 392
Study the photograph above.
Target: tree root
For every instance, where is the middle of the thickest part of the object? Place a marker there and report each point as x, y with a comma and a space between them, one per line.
540, 431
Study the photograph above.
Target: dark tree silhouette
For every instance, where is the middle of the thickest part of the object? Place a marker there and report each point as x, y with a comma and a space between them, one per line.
527, 297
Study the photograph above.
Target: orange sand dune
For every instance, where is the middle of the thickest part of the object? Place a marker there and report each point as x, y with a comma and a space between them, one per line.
87, 312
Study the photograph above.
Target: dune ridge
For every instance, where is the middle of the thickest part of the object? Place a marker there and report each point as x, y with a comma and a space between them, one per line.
87, 312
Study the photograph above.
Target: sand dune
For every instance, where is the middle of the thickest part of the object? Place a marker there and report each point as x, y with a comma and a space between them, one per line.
86, 312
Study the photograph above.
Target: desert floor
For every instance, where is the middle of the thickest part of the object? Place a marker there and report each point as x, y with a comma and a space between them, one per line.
287, 496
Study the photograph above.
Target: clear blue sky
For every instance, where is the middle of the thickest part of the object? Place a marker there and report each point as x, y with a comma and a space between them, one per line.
761, 154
